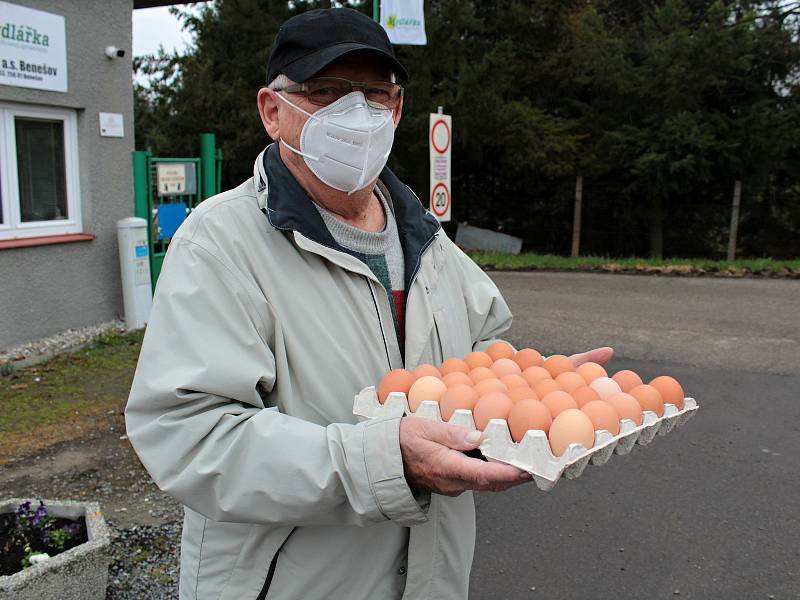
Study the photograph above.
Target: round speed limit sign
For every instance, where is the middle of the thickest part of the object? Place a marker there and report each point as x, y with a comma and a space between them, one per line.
440, 199
440, 140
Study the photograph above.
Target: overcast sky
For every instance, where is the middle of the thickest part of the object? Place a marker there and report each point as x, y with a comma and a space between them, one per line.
154, 26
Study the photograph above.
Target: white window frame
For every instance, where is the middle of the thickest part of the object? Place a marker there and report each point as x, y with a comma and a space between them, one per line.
12, 227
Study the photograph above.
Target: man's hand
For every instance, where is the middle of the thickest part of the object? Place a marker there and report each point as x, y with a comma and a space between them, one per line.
599, 355
433, 460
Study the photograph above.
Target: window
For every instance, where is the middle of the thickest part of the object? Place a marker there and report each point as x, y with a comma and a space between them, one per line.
38, 172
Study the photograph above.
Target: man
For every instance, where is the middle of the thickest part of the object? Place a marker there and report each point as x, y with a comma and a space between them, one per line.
278, 301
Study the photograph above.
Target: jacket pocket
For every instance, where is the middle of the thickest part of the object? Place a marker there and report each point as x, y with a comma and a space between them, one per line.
271, 570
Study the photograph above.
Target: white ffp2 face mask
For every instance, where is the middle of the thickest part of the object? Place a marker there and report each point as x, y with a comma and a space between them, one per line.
347, 143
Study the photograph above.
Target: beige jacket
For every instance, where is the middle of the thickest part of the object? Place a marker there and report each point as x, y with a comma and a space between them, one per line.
261, 333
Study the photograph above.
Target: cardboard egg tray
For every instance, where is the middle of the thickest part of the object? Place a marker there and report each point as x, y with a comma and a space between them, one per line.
533, 453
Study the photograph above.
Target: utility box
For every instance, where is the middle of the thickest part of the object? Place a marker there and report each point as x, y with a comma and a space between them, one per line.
134, 264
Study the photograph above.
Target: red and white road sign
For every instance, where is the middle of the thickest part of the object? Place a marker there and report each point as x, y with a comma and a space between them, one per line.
441, 142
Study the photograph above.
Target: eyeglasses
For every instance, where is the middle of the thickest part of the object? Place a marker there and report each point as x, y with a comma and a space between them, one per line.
324, 90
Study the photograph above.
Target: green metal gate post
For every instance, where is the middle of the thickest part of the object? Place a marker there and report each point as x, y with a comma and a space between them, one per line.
208, 155
141, 181
219, 171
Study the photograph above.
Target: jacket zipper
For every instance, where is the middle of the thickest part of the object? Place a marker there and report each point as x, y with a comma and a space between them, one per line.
419, 262
380, 322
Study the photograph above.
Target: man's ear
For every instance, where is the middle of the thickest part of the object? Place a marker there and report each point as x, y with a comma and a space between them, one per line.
268, 111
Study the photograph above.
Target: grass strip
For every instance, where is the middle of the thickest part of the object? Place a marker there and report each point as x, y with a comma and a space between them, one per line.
676, 266
50, 399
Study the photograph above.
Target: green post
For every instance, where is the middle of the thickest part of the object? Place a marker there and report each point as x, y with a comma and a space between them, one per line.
376, 13
208, 154
219, 170
140, 176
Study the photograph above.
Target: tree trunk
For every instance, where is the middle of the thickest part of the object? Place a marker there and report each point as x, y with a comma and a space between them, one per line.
656, 227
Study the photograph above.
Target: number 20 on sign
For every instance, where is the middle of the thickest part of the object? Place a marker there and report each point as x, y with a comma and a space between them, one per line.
440, 140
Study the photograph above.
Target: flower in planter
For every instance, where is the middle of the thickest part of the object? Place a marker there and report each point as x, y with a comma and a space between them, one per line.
38, 534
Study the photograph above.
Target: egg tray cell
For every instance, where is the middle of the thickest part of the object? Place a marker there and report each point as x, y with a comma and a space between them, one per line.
533, 453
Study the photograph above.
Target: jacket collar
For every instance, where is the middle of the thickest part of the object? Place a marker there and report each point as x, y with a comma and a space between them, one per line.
288, 208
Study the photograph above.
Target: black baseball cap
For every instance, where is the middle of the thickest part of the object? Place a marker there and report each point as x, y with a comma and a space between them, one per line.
310, 41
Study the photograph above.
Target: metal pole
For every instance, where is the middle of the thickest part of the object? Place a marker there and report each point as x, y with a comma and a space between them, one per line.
737, 197
208, 154
376, 11
576, 220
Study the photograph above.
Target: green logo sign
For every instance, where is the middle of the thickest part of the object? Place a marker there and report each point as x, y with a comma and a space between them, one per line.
24, 34
392, 21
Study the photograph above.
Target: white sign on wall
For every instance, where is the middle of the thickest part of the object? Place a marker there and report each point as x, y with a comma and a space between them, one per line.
111, 125
33, 48
441, 143
404, 21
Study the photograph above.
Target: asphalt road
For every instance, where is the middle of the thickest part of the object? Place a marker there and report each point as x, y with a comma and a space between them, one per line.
711, 511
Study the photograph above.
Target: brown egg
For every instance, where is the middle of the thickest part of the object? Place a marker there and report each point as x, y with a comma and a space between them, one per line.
458, 396
649, 398
505, 366
627, 406
484, 386
398, 380
520, 393
427, 371
513, 381
605, 387
558, 364
480, 373
558, 401
454, 365
478, 359
500, 350
570, 381
627, 380
670, 390
545, 386
584, 394
533, 375
527, 415
591, 371
425, 388
457, 377
603, 416
495, 405
528, 357
571, 427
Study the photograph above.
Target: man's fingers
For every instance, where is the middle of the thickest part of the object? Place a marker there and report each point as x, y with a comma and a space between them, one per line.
452, 436
599, 355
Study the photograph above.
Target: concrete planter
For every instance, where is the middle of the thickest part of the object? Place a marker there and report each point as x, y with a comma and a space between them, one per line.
80, 573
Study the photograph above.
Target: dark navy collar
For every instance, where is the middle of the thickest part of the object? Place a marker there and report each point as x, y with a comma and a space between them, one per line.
289, 208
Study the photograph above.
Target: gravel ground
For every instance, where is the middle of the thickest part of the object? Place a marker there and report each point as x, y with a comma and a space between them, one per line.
144, 562
64, 341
